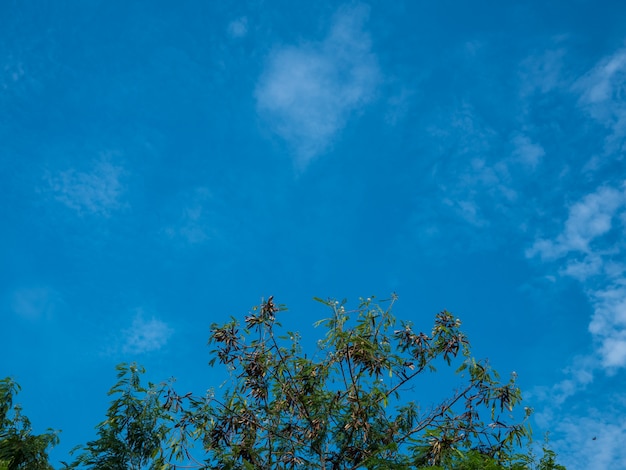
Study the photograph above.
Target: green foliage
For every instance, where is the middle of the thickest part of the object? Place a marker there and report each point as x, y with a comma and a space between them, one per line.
134, 433
349, 405
548, 459
19, 447
352, 403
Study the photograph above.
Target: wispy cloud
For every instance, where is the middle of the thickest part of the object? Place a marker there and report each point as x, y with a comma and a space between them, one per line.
586, 245
600, 84
543, 73
589, 248
307, 92
526, 151
609, 321
593, 438
474, 178
595, 443
579, 374
588, 219
145, 335
97, 191
602, 95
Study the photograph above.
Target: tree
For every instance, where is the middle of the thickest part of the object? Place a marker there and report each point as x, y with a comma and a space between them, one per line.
19, 447
133, 435
349, 403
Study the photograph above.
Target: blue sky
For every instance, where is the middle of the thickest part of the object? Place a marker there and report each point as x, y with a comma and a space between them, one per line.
167, 164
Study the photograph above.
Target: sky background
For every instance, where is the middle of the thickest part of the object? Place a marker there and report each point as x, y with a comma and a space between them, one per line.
165, 165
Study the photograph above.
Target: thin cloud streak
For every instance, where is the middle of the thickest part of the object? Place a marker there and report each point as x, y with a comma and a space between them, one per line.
602, 96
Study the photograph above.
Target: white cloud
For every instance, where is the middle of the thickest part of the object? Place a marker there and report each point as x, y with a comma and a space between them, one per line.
93, 192
307, 92
602, 94
589, 246
145, 335
588, 219
599, 85
595, 440
610, 307
613, 350
582, 269
527, 152
609, 323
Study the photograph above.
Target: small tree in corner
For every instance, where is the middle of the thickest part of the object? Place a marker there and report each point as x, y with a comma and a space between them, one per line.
19, 447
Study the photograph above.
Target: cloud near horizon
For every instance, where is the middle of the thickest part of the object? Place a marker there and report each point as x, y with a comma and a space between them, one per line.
307, 92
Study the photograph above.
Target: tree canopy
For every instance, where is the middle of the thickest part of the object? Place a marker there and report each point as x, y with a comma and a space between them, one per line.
19, 447
350, 402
